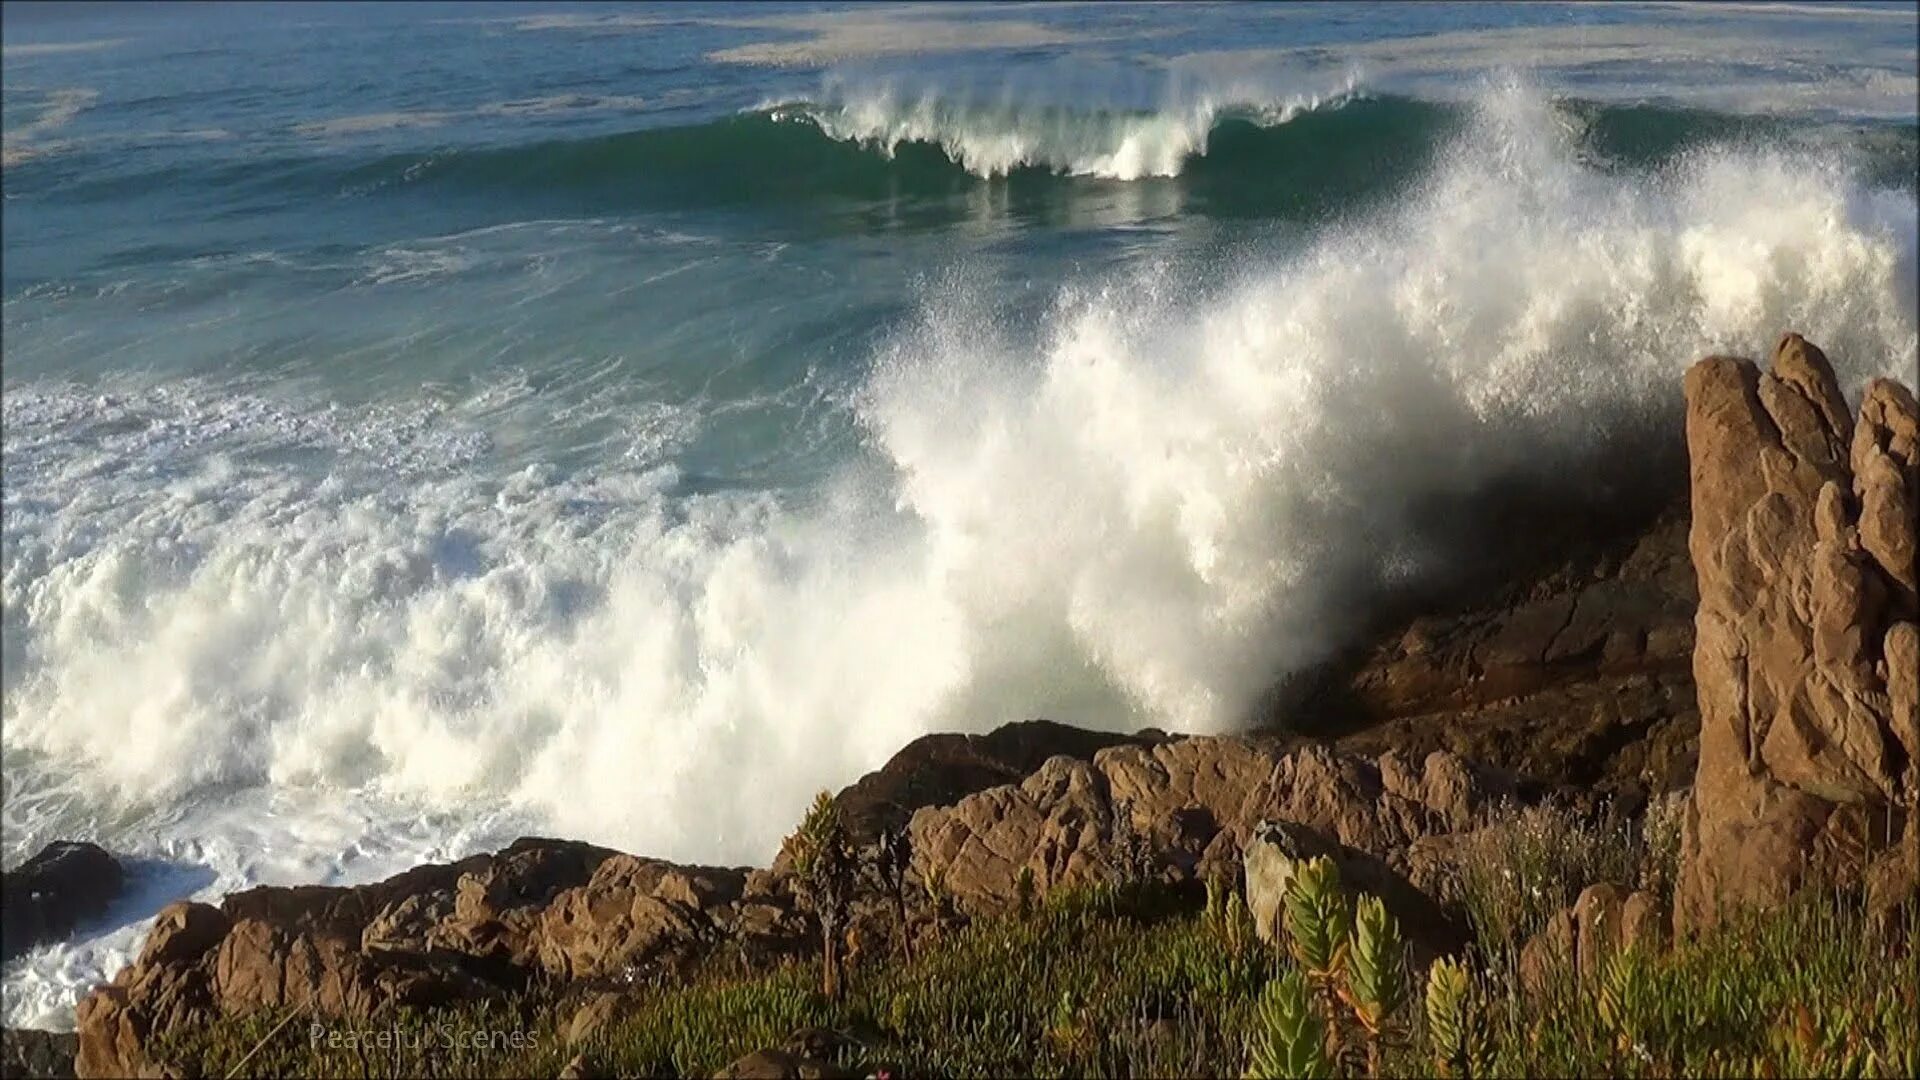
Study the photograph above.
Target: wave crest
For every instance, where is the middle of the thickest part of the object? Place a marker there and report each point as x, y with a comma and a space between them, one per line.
992, 140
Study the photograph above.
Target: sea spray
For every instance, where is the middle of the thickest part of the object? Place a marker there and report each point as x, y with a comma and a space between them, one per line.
1144, 514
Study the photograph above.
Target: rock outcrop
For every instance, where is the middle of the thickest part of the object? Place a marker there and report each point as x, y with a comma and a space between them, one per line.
1803, 540
44, 898
1196, 802
1576, 677
577, 915
936, 770
434, 935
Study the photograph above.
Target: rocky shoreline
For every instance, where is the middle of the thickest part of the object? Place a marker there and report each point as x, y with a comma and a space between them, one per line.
1750, 645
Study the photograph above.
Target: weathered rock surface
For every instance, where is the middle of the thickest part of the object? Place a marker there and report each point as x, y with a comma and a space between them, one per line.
40, 1055
1604, 920
577, 914
936, 770
431, 936
1574, 677
1803, 540
44, 898
1197, 802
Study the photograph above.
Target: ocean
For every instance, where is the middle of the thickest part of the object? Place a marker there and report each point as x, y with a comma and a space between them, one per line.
426, 425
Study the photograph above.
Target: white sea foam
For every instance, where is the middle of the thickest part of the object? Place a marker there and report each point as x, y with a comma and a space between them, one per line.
1142, 515
58, 48
57, 109
1752, 68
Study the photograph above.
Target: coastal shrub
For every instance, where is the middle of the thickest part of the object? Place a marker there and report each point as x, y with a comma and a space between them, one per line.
887, 861
1531, 861
825, 867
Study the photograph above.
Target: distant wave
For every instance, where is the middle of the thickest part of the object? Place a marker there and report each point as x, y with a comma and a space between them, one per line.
1299, 156
995, 140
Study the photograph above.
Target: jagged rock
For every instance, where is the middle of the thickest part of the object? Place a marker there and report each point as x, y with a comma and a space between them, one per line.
1803, 544
936, 770
432, 936
43, 898
1575, 678
39, 1055
1197, 801
633, 911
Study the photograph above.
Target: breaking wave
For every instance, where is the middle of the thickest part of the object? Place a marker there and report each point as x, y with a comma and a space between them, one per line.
1143, 513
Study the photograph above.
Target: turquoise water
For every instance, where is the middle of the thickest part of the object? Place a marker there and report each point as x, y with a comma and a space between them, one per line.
426, 424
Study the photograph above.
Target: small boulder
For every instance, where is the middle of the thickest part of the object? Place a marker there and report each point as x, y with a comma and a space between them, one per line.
45, 897
1270, 858
1643, 923
1597, 917
780, 1065
1549, 953
593, 1017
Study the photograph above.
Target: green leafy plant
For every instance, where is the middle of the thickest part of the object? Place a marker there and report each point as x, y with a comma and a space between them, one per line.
1376, 975
1290, 1039
1318, 920
1457, 1034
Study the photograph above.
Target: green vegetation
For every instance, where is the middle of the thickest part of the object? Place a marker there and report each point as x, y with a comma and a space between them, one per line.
1143, 980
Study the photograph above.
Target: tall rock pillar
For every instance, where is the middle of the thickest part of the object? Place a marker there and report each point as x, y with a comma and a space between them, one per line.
1803, 540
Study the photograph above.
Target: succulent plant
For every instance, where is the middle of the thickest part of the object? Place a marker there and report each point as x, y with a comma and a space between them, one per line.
1290, 1038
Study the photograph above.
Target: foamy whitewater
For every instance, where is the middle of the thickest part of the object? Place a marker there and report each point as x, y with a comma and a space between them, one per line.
633, 466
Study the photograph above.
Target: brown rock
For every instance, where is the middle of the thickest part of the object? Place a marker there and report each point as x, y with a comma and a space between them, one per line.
600, 1011
1575, 677
633, 911
1802, 541
1886, 480
1550, 953
430, 936
1196, 802
937, 770
780, 1065
1643, 923
183, 932
1599, 920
